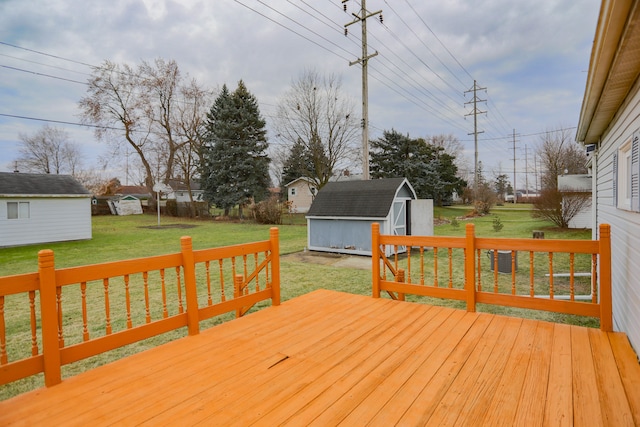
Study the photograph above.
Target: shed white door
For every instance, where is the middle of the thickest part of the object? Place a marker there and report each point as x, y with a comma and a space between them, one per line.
399, 218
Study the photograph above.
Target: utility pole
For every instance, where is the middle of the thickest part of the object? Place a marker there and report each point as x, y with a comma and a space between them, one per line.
514, 167
475, 132
526, 171
362, 18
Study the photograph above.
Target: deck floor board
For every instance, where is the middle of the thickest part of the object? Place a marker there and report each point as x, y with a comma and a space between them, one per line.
329, 358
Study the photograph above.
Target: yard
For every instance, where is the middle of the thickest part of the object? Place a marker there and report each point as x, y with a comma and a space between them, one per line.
119, 238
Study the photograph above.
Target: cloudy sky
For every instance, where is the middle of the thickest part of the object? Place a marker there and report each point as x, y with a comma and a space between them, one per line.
531, 57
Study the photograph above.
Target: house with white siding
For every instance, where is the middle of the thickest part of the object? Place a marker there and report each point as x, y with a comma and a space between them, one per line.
300, 194
42, 208
609, 127
576, 197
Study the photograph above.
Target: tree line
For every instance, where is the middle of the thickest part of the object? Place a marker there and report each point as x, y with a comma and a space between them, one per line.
169, 126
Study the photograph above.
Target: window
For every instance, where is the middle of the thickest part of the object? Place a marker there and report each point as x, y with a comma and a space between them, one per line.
292, 192
17, 210
626, 174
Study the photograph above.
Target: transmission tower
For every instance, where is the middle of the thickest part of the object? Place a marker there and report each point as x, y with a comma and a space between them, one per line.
475, 132
362, 18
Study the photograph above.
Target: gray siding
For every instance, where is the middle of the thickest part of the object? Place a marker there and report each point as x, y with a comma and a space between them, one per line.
340, 235
625, 225
51, 220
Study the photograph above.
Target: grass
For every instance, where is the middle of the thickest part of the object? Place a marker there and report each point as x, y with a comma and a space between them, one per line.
119, 238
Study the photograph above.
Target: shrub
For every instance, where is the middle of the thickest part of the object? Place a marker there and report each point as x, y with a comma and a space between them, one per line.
268, 211
497, 224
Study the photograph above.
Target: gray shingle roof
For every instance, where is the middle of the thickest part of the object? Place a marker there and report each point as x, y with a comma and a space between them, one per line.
13, 184
372, 198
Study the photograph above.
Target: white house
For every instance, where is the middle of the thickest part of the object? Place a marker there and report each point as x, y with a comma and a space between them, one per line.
300, 194
577, 189
609, 127
41, 208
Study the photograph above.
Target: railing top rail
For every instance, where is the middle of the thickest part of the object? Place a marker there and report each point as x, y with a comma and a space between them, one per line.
19, 283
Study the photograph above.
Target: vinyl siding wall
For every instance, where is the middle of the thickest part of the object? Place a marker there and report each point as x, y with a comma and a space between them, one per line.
625, 224
53, 219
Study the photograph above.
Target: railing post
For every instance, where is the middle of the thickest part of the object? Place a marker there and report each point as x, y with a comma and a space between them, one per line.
189, 268
469, 267
375, 259
238, 289
275, 265
606, 312
49, 318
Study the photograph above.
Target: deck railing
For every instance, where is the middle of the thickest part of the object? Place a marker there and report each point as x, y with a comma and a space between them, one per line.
564, 276
74, 313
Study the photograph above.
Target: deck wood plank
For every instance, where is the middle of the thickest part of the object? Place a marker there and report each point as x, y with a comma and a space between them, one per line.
559, 401
502, 409
629, 369
615, 411
586, 401
329, 358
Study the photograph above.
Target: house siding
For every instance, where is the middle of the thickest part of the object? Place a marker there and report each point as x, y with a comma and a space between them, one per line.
50, 220
302, 199
625, 225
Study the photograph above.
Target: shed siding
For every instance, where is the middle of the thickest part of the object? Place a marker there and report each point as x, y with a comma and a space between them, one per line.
340, 235
50, 220
625, 225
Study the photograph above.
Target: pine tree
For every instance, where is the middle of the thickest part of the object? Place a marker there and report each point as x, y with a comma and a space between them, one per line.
431, 172
236, 167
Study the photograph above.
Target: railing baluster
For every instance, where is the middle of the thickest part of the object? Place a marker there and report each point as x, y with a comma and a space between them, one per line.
222, 296
435, 267
107, 310
34, 326
59, 304
571, 277
479, 271
145, 281
422, 265
85, 316
494, 260
255, 261
408, 264
594, 279
127, 297
206, 267
163, 286
244, 263
450, 253
3, 338
532, 291
513, 272
180, 306
551, 275
268, 276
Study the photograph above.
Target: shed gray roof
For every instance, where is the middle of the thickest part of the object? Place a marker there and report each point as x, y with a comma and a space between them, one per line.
365, 199
31, 184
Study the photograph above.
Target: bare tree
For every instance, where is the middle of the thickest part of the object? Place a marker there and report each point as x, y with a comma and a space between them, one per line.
560, 154
49, 151
140, 107
560, 208
318, 115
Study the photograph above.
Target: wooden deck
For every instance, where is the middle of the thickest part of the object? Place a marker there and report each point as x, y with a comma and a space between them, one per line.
329, 358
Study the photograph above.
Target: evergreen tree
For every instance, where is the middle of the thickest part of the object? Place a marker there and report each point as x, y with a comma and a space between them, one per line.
235, 168
296, 165
431, 171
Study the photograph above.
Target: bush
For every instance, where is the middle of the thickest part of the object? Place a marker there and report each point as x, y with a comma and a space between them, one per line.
172, 207
497, 224
268, 211
454, 223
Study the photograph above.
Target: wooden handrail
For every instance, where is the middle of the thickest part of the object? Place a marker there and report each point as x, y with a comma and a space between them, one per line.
48, 282
471, 290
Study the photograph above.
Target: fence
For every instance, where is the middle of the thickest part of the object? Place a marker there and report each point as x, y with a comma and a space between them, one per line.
70, 314
564, 276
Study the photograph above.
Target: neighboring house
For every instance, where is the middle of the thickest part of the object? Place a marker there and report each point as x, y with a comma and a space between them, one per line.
300, 194
578, 188
181, 192
341, 215
609, 127
42, 208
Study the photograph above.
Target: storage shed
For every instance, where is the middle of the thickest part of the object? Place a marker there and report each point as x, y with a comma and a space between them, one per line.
341, 215
41, 208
